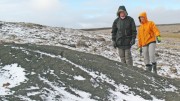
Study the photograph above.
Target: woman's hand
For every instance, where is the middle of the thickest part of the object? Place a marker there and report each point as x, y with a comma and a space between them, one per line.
159, 39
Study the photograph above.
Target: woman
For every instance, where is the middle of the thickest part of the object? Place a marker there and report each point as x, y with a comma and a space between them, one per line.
147, 35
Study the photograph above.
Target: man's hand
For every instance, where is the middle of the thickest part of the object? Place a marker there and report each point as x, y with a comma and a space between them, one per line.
132, 42
159, 39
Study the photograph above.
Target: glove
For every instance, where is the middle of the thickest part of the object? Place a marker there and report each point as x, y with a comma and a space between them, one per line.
114, 44
159, 39
132, 42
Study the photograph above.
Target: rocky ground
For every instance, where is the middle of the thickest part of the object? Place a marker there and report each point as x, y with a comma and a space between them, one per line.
96, 41
78, 65
48, 73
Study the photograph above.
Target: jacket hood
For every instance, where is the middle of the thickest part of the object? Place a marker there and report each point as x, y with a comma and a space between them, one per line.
121, 8
143, 14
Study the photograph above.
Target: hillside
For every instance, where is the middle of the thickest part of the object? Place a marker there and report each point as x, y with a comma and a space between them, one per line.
49, 73
42, 63
96, 42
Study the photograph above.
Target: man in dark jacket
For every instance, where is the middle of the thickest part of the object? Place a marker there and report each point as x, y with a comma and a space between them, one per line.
124, 35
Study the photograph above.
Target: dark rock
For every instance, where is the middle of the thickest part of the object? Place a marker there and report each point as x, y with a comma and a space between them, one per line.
67, 63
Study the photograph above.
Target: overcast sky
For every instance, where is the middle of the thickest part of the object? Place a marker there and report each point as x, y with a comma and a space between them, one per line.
86, 13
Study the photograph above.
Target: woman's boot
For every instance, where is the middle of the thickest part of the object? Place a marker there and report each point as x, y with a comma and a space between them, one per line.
154, 66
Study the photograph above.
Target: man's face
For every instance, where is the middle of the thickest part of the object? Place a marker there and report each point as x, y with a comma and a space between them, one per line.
122, 14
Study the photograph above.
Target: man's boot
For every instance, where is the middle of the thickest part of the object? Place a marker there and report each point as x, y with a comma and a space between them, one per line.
154, 66
149, 67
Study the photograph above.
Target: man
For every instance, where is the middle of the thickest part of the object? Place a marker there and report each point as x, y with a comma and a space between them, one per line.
147, 35
124, 35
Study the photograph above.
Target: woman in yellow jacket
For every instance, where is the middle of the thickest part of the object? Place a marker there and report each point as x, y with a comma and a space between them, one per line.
147, 35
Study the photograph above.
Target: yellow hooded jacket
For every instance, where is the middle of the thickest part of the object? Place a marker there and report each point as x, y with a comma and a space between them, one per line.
147, 32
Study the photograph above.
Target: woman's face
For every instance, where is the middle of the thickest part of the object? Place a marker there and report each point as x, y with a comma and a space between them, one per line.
142, 19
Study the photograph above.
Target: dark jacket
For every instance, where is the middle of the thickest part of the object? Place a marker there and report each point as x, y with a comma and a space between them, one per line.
123, 31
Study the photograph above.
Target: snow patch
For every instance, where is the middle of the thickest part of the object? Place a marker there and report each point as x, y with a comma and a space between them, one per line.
11, 76
65, 96
80, 78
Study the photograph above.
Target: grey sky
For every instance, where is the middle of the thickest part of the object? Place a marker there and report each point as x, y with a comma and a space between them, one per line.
86, 13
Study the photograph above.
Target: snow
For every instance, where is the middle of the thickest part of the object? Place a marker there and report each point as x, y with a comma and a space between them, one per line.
33, 93
32, 88
65, 96
12, 74
32, 73
118, 96
115, 95
171, 88
91, 42
25, 98
80, 78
